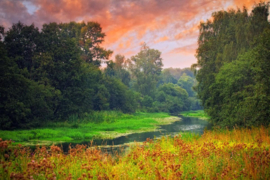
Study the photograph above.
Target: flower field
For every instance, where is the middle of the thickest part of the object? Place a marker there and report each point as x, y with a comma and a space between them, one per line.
217, 154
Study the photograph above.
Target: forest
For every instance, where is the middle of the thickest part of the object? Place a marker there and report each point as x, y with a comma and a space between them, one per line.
54, 89
233, 67
52, 74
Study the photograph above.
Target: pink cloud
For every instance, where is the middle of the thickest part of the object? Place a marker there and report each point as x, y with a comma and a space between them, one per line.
126, 23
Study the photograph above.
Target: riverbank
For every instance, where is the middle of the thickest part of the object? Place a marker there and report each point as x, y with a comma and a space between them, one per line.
115, 125
195, 113
217, 154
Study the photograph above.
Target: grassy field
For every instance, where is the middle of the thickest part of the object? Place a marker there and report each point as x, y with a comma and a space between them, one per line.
103, 125
198, 113
218, 154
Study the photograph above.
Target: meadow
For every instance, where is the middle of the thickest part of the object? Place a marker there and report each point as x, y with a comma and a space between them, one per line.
195, 113
97, 125
217, 154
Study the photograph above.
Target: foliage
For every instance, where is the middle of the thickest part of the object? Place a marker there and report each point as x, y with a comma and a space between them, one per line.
166, 77
198, 113
23, 101
232, 54
186, 80
172, 98
88, 37
116, 69
172, 74
146, 68
49, 74
120, 97
187, 83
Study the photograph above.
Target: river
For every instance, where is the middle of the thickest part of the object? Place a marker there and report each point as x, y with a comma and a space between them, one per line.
186, 124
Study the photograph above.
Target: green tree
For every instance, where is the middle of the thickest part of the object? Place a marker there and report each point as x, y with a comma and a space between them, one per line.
88, 37
77, 81
120, 98
146, 68
21, 43
24, 102
172, 98
187, 83
166, 77
116, 69
225, 73
242, 88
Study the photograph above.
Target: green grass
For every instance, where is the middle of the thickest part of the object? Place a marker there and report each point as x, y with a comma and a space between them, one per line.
107, 124
197, 113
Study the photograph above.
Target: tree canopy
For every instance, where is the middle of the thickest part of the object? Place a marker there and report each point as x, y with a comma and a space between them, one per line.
232, 54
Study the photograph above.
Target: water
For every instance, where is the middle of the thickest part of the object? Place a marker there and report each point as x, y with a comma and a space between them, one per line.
187, 124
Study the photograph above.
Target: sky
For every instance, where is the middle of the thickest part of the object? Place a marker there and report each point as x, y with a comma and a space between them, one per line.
171, 26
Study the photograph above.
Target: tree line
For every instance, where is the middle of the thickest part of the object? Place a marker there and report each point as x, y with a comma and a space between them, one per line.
233, 67
54, 73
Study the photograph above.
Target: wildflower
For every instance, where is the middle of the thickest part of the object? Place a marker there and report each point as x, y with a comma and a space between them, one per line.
6, 156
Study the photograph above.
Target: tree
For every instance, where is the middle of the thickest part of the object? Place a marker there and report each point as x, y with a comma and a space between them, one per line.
225, 75
24, 102
187, 83
146, 68
120, 98
88, 37
172, 98
21, 43
76, 80
116, 69
51, 74
166, 77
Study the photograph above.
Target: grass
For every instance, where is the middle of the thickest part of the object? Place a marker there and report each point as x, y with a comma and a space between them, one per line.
217, 154
197, 113
101, 125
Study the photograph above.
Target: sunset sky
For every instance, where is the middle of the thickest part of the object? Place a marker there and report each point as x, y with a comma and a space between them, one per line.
171, 26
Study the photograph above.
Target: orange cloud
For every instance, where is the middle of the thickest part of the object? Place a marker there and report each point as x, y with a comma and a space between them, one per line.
188, 32
165, 38
126, 23
185, 50
247, 3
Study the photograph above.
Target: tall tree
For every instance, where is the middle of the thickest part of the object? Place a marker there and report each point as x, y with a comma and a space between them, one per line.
224, 63
146, 67
187, 83
116, 69
88, 37
21, 43
24, 102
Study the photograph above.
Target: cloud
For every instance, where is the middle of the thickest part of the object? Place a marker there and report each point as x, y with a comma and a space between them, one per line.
11, 12
185, 50
247, 3
126, 22
165, 38
189, 32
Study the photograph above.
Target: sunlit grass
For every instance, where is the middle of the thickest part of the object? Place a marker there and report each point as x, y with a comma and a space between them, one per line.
197, 113
98, 125
217, 154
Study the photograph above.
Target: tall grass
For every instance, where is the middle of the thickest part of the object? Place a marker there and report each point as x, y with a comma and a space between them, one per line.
218, 154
